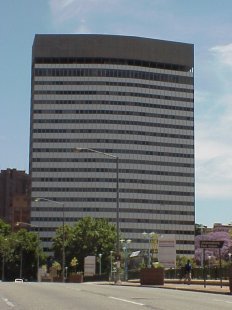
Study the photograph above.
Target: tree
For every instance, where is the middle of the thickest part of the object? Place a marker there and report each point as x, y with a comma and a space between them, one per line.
89, 236
16, 247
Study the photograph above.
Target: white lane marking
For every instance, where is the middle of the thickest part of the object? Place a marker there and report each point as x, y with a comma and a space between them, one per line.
8, 302
125, 300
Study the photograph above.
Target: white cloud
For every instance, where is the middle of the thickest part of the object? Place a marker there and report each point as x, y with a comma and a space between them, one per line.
223, 53
214, 190
214, 127
214, 151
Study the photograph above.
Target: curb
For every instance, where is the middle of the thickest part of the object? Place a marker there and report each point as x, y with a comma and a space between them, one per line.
180, 288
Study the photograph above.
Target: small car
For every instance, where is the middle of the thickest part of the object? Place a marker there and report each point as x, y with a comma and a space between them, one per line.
19, 280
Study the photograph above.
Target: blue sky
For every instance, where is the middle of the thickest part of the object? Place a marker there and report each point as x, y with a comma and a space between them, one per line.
205, 23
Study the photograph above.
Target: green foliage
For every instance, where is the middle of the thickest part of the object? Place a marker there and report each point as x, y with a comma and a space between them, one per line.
154, 244
199, 229
74, 263
5, 229
17, 245
56, 265
89, 236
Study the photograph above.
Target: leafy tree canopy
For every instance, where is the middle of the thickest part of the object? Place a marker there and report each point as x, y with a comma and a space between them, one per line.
89, 236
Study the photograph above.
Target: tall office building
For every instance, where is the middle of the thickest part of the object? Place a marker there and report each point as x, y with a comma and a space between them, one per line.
126, 96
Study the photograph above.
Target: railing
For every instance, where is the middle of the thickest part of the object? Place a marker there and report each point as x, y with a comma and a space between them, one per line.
213, 273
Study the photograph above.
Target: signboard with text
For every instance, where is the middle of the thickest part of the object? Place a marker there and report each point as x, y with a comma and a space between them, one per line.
205, 244
89, 265
167, 251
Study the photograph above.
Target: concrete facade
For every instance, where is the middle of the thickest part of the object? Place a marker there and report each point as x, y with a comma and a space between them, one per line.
127, 96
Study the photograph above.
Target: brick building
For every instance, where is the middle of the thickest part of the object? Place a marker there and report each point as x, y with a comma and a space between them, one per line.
14, 196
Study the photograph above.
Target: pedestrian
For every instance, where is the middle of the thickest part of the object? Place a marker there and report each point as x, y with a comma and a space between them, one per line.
188, 269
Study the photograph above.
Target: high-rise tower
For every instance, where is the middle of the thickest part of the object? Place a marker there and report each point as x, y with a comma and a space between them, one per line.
127, 96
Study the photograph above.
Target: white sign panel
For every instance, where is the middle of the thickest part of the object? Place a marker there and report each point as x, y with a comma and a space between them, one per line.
90, 266
167, 251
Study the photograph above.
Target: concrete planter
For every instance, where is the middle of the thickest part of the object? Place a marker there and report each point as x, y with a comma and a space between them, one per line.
152, 276
75, 278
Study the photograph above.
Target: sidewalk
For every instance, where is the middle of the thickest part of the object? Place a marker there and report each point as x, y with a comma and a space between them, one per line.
210, 286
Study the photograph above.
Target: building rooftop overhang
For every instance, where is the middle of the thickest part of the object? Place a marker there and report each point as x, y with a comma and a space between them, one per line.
113, 47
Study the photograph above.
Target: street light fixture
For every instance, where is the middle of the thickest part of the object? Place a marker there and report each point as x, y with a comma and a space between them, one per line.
100, 256
209, 258
111, 265
125, 244
63, 232
23, 224
149, 237
80, 149
229, 254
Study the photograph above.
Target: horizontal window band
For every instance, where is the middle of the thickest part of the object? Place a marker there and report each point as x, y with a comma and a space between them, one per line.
161, 211
109, 170
111, 122
106, 160
115, 73
115, 141
115, 132
120, 84
110, 103
122, 200
110, 61
103, 112
110, 93
122, 151
112, 180
122, 220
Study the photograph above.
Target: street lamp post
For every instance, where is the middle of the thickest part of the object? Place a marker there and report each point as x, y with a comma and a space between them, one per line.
202, 250
21, 264
100, 256
3, 267
149, 237
79, 149
63, 232
125, 248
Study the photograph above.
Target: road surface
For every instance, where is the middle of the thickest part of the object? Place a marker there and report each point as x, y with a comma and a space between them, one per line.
89, 296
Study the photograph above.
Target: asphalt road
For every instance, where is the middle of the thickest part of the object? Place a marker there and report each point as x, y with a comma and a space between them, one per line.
89, 296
